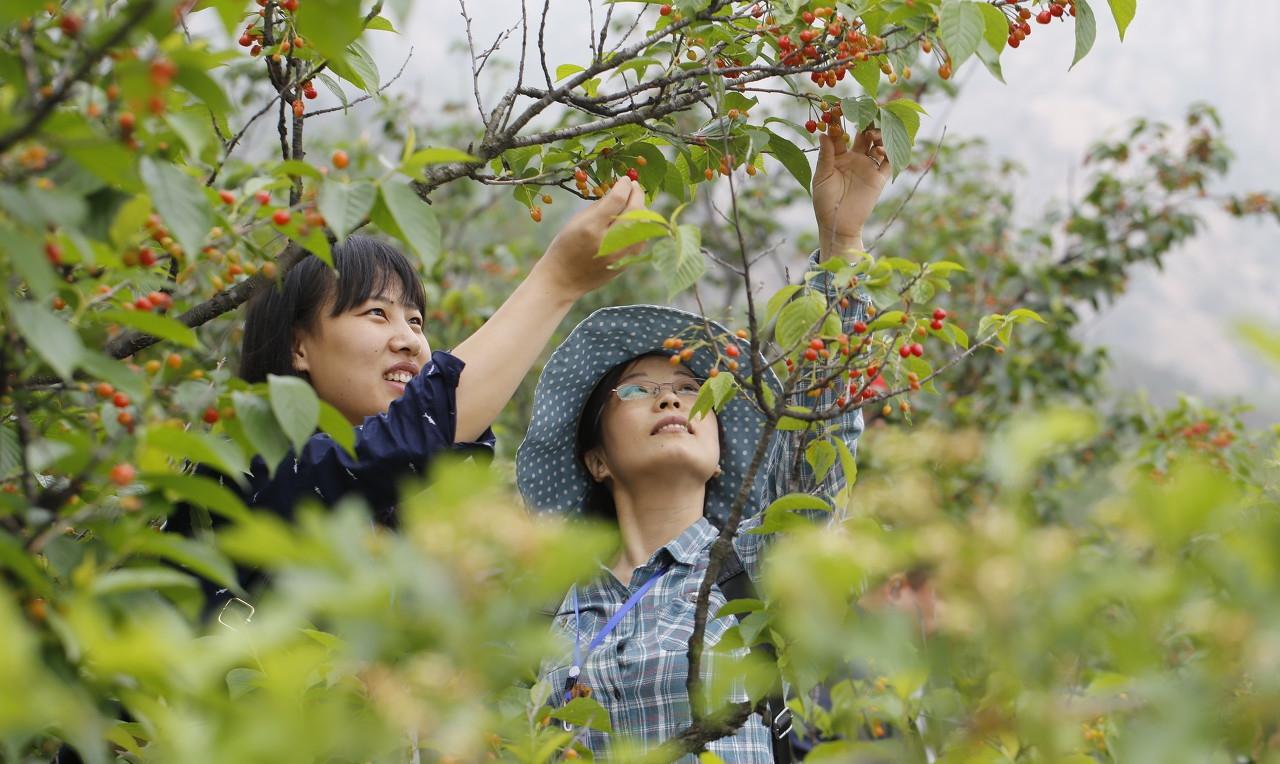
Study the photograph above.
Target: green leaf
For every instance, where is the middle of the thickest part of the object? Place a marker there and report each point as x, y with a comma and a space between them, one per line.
962, 27
584, 712
956, 335
897, 141
1086, 31
329, 25
336, 426
779, 299
781, 514
29, 261
335, 88
1123, 11
862, 111
624, 233
995, 26
261, 427
886, 320
736, 606
296, 407
867, 73
141, 579
200, 558
297, 167
565, 70
198, 448
686, 264
1026, 314
848, 464
793, 159
357, 67
797, 319
909, 112
821, 456
193, 127
198, 490
154, 324
13, 11
412, 220
715, 393
434, 155
344, 205
48, 335
198, 82
181, 202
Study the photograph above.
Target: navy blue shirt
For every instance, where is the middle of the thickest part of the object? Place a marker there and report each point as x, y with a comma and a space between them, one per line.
389, 448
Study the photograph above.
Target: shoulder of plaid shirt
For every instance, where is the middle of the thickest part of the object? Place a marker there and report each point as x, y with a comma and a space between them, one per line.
638, 673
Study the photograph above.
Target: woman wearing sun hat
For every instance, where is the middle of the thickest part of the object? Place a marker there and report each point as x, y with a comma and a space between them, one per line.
611, 437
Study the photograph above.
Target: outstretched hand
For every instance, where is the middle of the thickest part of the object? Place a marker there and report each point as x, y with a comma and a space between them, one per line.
571, 262
846, 186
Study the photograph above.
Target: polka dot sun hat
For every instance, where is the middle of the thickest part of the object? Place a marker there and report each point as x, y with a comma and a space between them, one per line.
548, 472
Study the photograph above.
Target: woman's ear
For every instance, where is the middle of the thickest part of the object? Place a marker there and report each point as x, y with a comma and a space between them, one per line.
299, 360
596, 465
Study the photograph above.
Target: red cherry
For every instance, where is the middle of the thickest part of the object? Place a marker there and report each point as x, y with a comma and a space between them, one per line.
1055, 10
281, 217
227, 197
123, 474
811, 354
263, 197
859, 327
665, 10
1044, 17
940, 314
120, 400
245, 40
210, 415
811, 126
917, 350
732, 351
146, 258
817, 344
904, 351
1013, 41
633, 173
53, 252
143, 303
935, 324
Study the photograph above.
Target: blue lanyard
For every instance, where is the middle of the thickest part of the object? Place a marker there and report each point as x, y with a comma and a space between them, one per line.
576, 669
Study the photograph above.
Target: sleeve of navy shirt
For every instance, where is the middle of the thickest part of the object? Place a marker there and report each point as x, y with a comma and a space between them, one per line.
389, 447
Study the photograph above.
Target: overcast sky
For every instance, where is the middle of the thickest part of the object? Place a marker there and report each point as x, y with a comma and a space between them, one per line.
1173, 328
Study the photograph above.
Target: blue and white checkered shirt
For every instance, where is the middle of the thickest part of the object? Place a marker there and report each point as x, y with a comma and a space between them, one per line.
639, 671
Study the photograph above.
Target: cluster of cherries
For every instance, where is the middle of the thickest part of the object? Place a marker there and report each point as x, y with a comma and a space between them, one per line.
1019, 26
254, 39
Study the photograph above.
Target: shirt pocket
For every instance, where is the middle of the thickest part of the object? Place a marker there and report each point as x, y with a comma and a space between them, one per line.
675, 624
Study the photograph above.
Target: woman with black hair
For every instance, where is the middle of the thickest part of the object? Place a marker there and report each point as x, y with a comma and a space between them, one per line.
356, 333
612, 436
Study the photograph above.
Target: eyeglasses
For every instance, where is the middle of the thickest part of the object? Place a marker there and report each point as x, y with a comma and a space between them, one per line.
636, 391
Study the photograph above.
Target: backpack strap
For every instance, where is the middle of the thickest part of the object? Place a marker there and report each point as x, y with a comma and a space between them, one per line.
736, 584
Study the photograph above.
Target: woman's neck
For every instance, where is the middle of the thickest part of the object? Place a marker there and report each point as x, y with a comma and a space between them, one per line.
650, 516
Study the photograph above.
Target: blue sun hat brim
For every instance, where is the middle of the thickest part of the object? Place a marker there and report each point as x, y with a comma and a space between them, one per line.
548, 472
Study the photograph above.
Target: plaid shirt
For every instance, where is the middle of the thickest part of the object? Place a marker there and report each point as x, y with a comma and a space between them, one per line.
638, 673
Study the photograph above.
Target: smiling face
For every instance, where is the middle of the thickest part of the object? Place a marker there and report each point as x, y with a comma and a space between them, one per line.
361, 359
653, 439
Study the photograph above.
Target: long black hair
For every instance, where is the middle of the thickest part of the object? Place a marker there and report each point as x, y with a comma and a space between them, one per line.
363, 267
599, 501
